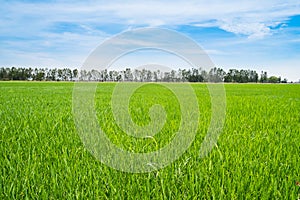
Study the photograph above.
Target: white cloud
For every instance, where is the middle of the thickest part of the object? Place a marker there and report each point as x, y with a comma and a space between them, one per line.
250, 18
252, 30
239, 17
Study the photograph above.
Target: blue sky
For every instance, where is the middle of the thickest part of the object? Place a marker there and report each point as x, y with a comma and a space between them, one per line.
261, 35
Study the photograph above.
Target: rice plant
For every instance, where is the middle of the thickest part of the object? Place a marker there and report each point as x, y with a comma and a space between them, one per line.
256, 156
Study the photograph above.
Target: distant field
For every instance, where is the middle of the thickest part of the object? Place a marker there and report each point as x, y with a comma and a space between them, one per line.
257, 155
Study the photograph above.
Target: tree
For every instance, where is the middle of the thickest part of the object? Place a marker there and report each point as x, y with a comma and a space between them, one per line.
263, 77
274, 79
229, 77
192, 75
285, 81
149, 75
40, 76
54, 74
128, 75
4, 74
216, 75
75, 73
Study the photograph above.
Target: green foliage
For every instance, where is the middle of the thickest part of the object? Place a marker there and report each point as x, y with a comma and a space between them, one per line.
181, 75
256, 157
274, 79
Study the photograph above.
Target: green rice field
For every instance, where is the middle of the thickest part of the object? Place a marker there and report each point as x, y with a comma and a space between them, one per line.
257, 155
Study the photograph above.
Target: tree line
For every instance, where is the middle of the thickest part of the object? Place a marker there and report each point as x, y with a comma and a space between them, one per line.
138, 75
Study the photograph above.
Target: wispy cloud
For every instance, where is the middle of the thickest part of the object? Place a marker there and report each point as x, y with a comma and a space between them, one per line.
232, 16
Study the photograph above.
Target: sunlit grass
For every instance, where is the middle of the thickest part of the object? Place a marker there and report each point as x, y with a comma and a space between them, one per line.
257, 155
